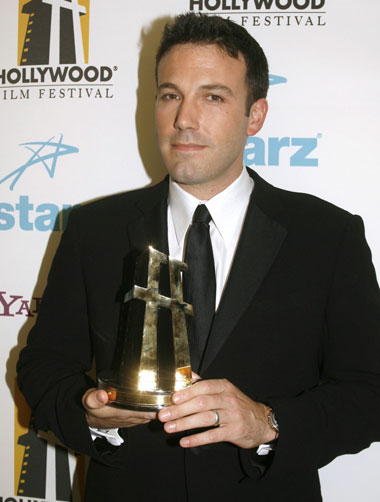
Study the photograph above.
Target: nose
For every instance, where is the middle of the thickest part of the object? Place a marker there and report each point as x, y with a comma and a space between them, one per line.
187, 115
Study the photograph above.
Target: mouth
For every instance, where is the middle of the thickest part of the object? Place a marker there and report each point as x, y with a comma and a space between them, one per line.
187, 147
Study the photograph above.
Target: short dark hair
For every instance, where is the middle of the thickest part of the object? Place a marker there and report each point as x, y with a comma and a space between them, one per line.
203, 29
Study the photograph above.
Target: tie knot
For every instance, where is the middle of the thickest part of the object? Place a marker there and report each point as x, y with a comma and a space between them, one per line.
201, 215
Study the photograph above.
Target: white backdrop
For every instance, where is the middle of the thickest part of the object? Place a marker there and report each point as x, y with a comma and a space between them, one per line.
65, 142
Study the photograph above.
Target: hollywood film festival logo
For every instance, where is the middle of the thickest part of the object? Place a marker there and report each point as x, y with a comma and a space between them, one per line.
43, 471
266, 13
53, 54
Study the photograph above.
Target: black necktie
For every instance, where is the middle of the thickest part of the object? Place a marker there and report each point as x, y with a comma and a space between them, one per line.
199, 283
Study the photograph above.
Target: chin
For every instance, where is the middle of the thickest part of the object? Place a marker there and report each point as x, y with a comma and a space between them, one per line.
186, 175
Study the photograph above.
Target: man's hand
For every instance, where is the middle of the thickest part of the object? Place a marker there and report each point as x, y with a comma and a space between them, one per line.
101, 416
242, 421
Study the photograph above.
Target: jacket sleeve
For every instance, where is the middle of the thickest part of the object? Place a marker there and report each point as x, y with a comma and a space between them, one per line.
341, 415
52, 367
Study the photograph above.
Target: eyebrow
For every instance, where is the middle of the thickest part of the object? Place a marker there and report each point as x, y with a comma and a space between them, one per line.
167, 85
217, 87
206, 87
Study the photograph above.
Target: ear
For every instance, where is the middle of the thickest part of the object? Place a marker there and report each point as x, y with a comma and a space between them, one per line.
257, 114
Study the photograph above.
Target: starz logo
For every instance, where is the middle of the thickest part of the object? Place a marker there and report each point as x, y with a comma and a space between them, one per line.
45, 154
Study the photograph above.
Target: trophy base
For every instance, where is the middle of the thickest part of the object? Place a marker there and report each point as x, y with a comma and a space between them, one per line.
130, 399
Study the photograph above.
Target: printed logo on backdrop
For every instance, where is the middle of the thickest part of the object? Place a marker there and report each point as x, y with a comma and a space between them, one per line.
284, 150
24, 214
16, 305
54, 53
42, 470
40, 158
266, 13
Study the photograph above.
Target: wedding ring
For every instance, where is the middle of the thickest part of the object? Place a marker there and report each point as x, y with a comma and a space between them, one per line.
217, 418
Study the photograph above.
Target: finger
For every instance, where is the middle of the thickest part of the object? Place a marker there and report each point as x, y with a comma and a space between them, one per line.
196, 421
130, 415
196, 405
216, 435
95, 399
147, 415
200, 387
108, 417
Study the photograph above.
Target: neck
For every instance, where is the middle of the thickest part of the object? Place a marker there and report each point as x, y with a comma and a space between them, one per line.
208, 190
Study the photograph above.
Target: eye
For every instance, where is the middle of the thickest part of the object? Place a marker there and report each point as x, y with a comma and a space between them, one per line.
215, 98
169, 96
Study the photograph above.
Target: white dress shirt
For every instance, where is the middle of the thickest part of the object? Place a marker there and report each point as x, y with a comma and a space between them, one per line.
227, 210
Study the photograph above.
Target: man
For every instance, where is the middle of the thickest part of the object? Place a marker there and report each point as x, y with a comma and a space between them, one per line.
291, 360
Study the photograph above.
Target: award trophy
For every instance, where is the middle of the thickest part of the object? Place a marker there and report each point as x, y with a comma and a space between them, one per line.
152, 358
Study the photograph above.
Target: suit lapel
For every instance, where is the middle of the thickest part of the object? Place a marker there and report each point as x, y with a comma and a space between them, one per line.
259, 243
148, 227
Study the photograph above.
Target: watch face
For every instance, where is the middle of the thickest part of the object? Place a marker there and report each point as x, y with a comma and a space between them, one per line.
274, 423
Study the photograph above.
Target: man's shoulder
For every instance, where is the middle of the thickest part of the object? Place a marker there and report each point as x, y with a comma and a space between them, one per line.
310, 205
122, 206
291, 206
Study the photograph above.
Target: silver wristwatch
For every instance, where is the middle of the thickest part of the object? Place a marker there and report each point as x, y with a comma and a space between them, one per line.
273, 424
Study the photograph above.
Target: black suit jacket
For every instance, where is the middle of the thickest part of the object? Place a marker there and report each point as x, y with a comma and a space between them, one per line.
298, 326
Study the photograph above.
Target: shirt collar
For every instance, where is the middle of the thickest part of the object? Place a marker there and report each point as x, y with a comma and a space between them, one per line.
235, 197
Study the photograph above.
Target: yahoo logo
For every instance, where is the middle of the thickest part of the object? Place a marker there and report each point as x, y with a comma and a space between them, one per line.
11, 305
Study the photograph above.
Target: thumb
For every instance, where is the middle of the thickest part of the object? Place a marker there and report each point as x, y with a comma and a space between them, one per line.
195, 377
95, 398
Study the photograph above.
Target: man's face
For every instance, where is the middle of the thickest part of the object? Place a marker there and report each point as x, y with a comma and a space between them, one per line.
201, 118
